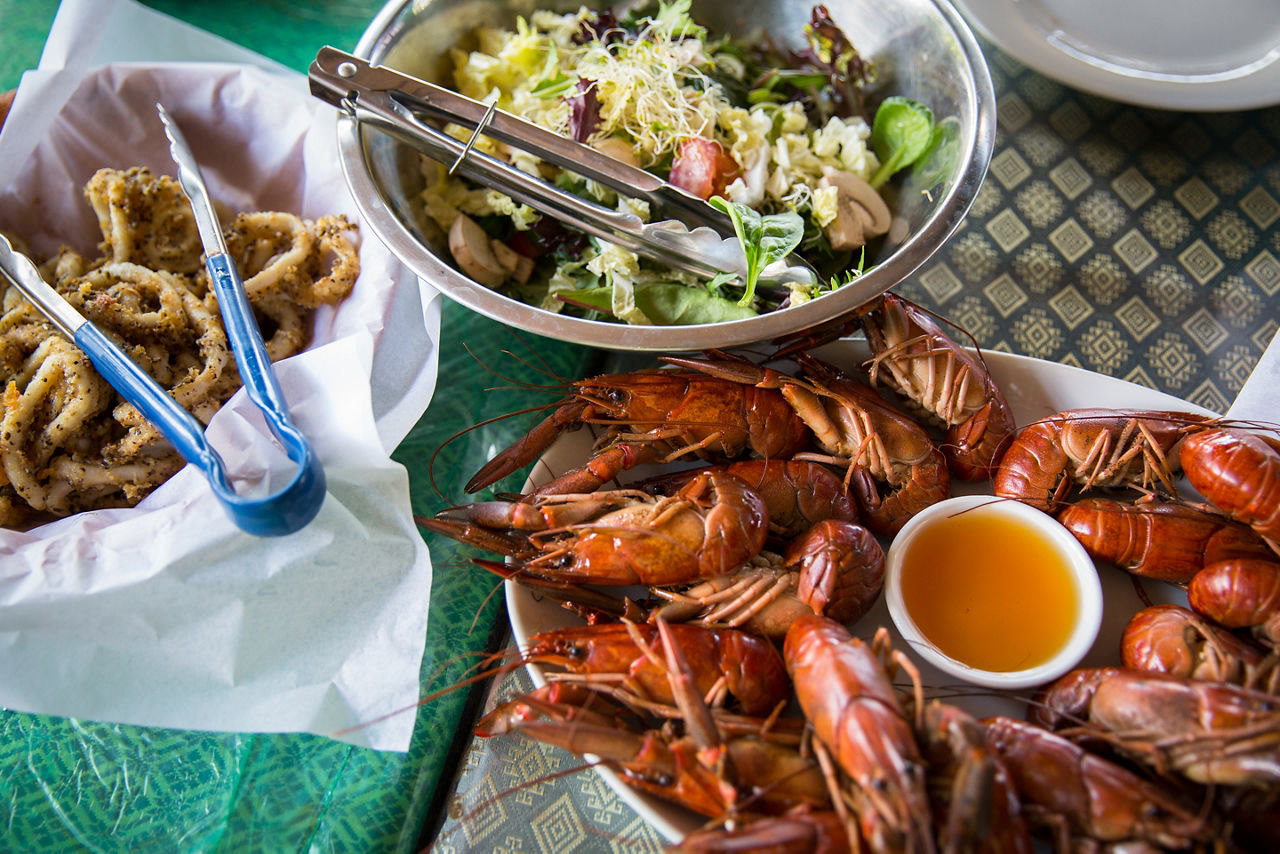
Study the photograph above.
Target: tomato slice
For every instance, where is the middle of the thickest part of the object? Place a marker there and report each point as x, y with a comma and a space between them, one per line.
703, 168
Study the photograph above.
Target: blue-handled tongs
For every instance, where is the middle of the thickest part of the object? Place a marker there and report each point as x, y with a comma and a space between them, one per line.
284, 511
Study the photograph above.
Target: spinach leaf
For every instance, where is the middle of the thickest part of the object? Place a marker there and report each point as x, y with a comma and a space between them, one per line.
764, 239
666, 303
900, 135
942, 159
715, 284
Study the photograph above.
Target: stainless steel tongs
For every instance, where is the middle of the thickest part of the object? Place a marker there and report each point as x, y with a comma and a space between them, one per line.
687, 233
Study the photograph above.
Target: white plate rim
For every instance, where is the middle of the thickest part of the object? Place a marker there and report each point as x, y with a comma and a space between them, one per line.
1035, 388
1002, 23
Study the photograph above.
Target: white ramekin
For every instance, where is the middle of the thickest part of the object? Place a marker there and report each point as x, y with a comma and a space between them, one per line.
1083, 572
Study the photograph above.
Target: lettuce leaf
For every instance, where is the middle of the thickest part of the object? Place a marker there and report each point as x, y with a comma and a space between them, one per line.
665, 303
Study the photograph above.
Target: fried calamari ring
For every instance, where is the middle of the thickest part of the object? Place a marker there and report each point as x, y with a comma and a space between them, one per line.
45, 407
145, 219
66, 264
22, 329
270, 251
141, 438
283, 326
156, 308
55, 450
16, 346
132, 301
334, 265
198, 381
312, 263
78, 484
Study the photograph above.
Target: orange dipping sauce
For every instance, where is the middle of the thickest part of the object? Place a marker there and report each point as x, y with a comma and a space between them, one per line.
989, 590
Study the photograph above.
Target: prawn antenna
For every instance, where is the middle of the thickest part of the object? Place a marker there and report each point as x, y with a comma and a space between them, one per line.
479, 676
513, 382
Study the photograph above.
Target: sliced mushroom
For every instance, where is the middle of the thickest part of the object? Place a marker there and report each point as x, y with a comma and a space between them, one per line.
517, 266
845, 232
856, 201
470, 247
617, 148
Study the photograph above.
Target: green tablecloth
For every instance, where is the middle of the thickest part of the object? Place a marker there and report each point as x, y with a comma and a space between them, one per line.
1137, 243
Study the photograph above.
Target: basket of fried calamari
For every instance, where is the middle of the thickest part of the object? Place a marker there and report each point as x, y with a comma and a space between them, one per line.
121, 566
68, 441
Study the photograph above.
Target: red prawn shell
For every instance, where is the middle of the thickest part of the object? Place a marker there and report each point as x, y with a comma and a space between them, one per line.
1175, 640
1239, 472
1094, 448
917, 359
722, 419
752, 668
722, 525
1095, 797
798, 493
841, 567
1238, 593
1162, 540
853, 707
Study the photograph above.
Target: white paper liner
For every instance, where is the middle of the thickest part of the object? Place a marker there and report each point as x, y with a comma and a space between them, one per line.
165, 614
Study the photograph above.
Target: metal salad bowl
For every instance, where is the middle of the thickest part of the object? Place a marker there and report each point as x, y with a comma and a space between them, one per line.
922, 50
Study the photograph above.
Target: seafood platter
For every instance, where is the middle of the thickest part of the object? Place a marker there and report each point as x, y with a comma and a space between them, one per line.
736, 675
836, 158
695, 568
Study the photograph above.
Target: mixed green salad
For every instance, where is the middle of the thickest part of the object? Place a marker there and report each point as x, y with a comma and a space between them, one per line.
777, 138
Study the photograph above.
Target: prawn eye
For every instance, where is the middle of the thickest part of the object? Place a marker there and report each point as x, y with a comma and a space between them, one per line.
616, 396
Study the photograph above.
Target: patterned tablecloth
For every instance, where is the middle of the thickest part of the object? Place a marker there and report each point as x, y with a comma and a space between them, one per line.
1137, 243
